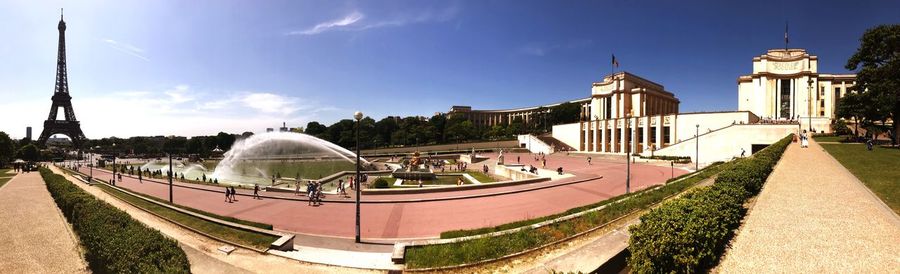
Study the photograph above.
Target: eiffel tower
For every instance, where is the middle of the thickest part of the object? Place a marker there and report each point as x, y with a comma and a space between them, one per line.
61, 99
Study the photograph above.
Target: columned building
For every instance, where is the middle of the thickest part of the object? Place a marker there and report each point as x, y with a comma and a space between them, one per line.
489, 118
786, 85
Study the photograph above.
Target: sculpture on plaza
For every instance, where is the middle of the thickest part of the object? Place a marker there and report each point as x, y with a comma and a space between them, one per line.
414, 162
500, 158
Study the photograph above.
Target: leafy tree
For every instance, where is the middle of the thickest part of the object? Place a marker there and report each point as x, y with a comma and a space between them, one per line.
878, 77
29, 152
7, 148
315, 129
517, 126
224, 140
565, 113
438, 123
194, 145
385, 129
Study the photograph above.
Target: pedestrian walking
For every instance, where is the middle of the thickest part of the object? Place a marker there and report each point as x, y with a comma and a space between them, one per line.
227, 195
742, 152
309, 192
519, 159
256, 192
589, 160
297, 188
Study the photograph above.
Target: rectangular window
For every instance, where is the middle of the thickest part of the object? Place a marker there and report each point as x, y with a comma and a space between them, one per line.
785, 93
653, 135
608, 108
666, 135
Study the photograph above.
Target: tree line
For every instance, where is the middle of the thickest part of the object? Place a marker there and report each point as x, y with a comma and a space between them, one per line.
391, 131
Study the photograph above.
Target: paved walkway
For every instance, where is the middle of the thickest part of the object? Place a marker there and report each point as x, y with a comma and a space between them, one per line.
392, 221
814, 216
33, 233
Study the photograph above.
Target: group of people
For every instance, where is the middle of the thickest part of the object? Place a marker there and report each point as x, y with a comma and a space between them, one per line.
314, 193
231, 193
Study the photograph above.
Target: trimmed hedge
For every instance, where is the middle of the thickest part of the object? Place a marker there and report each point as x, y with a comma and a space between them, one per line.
381, 183
487, 248
113, 241
689, 234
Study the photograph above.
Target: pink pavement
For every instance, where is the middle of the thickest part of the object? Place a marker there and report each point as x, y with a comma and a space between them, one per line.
419, 219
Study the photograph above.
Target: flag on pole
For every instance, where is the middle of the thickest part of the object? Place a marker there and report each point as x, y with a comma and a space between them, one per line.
615, 62
785, 35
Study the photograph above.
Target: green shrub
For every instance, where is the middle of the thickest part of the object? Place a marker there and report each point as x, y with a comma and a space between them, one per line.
689, 234
381, 183
113, 241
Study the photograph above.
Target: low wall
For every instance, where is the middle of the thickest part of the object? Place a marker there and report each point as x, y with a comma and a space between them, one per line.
385, 191
513, 172
533, 144
569, 134
727, 143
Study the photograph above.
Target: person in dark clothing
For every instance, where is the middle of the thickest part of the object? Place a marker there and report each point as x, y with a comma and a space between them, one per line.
256, 192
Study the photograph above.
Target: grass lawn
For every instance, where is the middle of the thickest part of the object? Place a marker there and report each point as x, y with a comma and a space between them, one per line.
439, 180
4, 180
834, 139
481, 177
252, 239
877, 169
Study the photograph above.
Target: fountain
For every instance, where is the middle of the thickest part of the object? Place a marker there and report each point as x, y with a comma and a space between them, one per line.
282, 153
415, 170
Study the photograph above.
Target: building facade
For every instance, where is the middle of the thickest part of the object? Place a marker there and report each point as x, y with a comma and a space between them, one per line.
786, 85
489, 118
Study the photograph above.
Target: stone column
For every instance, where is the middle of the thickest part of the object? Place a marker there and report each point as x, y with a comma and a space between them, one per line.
659, 130
622, 141
603, 137
646, 133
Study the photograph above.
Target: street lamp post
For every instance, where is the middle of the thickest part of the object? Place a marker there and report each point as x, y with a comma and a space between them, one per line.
810, 104
91, 167
358, 116
171, 173
627, 153
697, 156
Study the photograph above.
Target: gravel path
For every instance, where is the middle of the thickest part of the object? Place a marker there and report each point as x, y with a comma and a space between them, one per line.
33, 233
814, 216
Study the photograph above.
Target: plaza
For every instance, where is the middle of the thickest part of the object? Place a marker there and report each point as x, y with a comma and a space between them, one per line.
653, 171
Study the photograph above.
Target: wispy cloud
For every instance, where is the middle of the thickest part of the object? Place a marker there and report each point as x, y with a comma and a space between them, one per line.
126, 48
357, 21
347, 20
271, 103
179, 94
541, 49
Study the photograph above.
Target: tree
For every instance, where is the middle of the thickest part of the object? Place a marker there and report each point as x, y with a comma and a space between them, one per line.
7, 148
438, 123
315, 128
385, 129
516, 127
224, 140
565, 113
29, 153
878, 77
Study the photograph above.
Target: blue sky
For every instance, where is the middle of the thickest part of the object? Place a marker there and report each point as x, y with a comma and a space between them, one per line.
198, 67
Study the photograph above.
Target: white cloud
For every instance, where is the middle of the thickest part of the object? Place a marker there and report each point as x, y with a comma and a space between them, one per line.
271, 103
354, 21
179, 94
348, 20
540, 49
179, 110
126, 48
